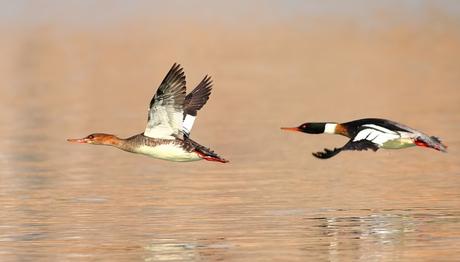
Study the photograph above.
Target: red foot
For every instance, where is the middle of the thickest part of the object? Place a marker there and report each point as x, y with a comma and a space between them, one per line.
421, 143
211, 158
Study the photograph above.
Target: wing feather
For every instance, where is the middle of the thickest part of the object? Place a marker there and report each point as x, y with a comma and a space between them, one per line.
166, 107
351, 145
194, 101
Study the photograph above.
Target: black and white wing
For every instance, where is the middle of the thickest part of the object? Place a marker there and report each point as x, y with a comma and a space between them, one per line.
327, 153
166, 107
351, 145
194, 101
368, 137
376, 134
383, 124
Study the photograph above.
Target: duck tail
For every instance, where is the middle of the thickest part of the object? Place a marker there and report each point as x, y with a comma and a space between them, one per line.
433, 142
204, 152
212, 157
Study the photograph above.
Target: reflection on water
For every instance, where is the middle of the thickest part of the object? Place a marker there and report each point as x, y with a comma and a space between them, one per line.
381, 233
172, 250
378, 235
62, 202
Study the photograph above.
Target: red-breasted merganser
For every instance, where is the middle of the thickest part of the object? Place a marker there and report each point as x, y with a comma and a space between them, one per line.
370, 133
170, 120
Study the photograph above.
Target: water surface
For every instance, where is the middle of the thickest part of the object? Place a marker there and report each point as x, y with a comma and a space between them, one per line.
273, 201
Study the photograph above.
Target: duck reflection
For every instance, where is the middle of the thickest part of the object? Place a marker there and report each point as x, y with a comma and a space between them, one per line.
175, 250
371, 235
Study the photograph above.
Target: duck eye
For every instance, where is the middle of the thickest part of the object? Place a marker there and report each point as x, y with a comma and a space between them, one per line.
90, 136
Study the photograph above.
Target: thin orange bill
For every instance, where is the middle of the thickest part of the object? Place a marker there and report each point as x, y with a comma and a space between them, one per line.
77, 140
290, 128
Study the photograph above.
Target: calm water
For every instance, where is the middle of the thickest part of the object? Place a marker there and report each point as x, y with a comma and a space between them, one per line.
64, 202
94, 204
273, 201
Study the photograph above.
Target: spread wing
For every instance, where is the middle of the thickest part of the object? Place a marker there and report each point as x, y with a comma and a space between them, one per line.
376, 134
194, 101
351, 145
166, 107
327, 153
368, 137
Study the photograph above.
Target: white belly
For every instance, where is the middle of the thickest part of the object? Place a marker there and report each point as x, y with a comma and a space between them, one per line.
169, 152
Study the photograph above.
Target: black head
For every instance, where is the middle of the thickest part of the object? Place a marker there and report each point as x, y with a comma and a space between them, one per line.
310, 128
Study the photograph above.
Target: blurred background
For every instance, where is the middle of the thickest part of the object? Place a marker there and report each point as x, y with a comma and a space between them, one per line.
70, 68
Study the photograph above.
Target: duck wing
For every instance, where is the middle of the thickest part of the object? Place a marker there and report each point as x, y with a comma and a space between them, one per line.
378, 123
194, 101
166, 107
351, 145
367, 137
327, 153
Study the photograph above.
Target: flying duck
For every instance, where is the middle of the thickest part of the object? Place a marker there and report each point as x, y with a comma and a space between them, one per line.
170, 119
370, 133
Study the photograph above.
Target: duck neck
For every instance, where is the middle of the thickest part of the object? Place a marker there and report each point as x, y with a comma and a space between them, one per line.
128, 144
117, 142
112, 140
330, 128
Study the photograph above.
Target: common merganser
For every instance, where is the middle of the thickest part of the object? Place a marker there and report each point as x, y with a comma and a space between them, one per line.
370, 133
170, 120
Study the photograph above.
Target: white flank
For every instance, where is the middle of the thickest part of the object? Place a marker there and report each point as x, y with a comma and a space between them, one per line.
330, 128
169, 152
380, 128
383, 138
376, 136
373, 135
363, 134
188, 123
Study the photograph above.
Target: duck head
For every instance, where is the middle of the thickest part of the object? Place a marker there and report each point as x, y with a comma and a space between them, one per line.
96, 139
310, 128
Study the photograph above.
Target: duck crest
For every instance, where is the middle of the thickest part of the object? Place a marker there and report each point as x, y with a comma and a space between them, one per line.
170, 119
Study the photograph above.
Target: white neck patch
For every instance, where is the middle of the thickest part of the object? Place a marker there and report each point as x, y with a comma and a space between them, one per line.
330, 128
